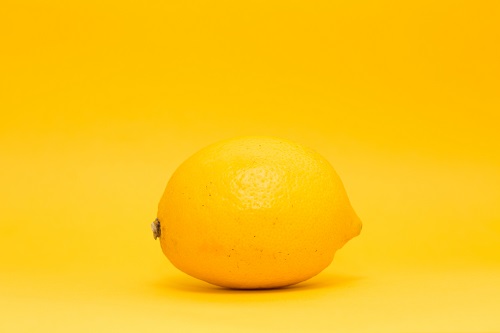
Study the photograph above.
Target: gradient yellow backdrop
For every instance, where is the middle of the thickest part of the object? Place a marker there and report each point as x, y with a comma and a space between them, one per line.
101, 100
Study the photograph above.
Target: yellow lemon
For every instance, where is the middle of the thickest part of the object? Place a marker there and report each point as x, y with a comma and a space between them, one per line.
254, 212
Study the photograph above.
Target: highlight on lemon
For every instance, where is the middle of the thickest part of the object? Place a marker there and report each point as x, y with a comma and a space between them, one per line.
254, 213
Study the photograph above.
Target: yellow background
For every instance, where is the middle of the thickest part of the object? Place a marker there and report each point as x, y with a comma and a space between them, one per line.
101, 100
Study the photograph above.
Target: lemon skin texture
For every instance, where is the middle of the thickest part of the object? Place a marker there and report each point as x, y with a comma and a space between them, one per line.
255, 213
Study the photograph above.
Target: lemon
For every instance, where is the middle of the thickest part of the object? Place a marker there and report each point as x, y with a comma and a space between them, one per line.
254, 213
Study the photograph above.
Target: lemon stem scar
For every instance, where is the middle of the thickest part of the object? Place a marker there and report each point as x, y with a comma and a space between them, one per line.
155, 227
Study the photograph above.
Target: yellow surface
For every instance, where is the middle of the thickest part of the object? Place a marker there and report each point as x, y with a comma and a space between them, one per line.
101, 101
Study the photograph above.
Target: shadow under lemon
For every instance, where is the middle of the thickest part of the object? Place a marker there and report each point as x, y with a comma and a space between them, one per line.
185, 286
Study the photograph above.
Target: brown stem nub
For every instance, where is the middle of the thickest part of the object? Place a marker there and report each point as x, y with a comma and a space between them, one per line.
155, 227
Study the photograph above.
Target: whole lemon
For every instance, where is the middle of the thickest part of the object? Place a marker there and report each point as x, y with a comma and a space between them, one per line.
253, 213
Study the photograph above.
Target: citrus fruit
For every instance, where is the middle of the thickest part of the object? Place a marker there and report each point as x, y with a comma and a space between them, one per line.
254, 213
